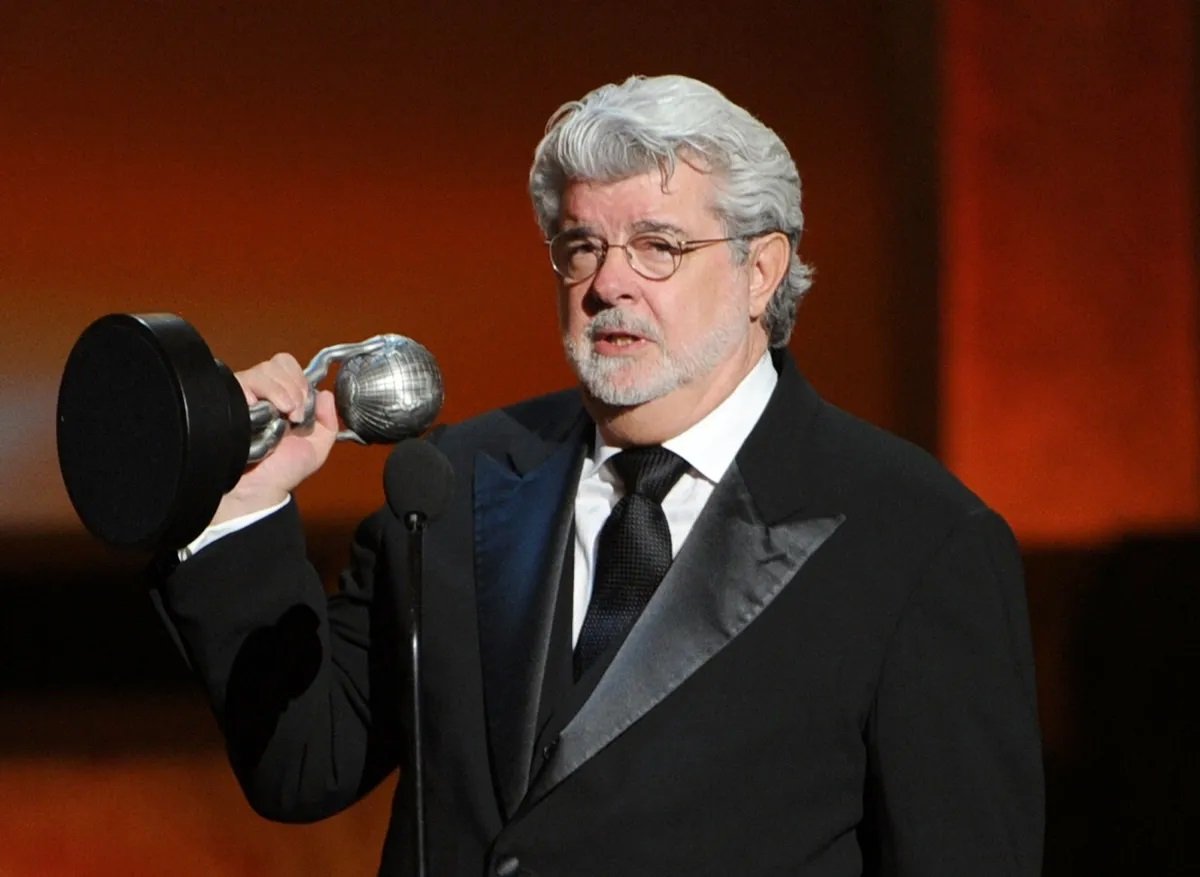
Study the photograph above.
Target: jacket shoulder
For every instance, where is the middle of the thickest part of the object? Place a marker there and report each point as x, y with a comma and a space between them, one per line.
547, 418
860, 463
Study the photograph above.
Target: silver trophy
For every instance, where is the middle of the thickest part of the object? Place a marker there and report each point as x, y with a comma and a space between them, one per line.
153, 430
388, 388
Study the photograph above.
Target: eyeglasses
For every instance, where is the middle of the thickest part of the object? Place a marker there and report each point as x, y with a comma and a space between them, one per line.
577, 256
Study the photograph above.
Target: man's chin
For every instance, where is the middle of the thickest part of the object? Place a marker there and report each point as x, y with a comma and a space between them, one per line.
621, 382
625, 393
605, 397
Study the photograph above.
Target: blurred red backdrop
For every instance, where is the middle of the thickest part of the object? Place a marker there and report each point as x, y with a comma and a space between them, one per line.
1001, 205
287, 180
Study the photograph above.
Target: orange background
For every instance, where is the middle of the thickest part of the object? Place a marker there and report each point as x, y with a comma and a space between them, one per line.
286, 181
1001, 205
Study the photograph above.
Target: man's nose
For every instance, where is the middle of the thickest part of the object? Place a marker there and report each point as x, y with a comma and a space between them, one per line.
615, 280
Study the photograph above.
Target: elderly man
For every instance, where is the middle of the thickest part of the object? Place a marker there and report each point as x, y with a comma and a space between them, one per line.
687, 619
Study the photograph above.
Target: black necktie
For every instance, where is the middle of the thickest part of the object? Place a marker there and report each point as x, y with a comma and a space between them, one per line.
633, 552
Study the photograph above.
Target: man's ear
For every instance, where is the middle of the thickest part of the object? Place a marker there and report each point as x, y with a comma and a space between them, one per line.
768, 261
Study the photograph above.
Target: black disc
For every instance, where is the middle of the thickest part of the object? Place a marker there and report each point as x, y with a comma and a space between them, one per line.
152, 430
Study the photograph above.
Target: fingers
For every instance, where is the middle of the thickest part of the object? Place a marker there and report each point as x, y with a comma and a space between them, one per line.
301, 452
280, 380
323, 428
327, 411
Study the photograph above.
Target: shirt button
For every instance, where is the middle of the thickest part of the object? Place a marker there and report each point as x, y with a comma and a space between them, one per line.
549, 748
508, 866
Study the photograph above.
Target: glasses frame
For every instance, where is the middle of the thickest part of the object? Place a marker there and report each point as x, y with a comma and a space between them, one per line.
685, 247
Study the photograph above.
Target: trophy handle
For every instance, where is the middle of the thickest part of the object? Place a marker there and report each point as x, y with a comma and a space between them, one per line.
267, 426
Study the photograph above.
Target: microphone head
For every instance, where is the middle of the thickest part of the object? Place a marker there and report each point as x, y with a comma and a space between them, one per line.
417, 478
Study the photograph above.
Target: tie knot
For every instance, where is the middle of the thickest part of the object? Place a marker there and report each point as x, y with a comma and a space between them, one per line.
649, 471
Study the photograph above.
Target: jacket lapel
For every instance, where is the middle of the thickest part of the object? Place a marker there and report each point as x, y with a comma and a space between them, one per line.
523, 524
729, 570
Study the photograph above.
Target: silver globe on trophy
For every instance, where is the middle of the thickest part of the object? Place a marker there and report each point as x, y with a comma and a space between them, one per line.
153, 430
388, 388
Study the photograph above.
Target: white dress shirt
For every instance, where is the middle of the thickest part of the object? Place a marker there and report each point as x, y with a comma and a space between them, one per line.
709, 447
215, 531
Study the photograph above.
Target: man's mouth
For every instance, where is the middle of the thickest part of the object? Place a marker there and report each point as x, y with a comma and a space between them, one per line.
618, 339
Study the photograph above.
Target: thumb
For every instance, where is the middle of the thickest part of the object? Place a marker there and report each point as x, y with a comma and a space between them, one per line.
326, 411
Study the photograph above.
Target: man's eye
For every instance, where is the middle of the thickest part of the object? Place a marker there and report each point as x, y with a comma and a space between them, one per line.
655, 245
582, 247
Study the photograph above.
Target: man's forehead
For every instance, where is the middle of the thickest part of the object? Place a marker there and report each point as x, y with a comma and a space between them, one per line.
647, 200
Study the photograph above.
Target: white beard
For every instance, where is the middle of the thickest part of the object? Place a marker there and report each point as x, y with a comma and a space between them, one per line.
626, 381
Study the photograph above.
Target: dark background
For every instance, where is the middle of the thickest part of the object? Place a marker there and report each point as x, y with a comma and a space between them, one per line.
1001, 202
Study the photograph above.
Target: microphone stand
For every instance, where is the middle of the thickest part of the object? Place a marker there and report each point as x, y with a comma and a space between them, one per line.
417, 482
414, 522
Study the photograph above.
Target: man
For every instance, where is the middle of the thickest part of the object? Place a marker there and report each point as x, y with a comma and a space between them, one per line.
833, 674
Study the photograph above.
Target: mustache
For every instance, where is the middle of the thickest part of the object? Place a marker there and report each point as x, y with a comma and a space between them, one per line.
622, 321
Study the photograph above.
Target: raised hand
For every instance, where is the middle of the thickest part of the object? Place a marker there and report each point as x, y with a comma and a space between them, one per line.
303, 449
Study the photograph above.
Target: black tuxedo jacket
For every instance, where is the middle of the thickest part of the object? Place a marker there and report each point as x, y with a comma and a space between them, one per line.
834, 678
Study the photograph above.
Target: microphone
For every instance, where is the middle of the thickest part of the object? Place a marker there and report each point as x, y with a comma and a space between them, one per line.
417, 481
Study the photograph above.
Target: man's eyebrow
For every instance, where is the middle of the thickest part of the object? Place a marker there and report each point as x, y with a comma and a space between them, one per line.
645, 225
579, 231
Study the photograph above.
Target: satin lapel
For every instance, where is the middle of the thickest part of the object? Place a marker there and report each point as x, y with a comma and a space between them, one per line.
522, 524
729, 570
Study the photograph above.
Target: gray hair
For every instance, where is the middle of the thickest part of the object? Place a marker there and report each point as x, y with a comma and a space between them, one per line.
643, 124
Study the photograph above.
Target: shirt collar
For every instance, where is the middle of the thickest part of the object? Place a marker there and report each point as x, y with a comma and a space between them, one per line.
710, 445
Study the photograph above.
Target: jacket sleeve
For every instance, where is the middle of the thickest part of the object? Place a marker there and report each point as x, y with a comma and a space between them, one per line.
304, 687
954, 748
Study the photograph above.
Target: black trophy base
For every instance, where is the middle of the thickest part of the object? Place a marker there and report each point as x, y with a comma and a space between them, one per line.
152, 430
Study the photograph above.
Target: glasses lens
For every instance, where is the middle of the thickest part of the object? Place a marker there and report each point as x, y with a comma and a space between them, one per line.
575, 257
654, 255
